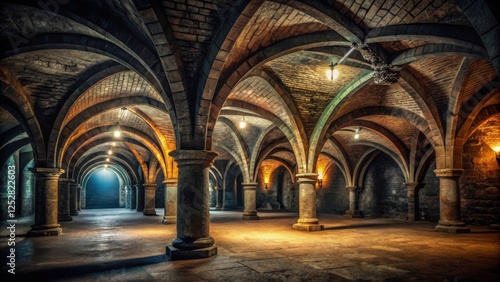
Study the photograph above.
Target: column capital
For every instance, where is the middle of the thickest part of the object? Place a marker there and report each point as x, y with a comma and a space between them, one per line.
307, 177
194, 157
47, 171
149, 185
449, 172
170, 181
351, 188
64, 179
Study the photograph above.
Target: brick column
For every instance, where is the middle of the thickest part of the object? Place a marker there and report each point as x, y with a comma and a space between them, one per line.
170, 213
218, 198
64, 199
450, 218
193, 224
353, 211
46, 207
412, 189
139, 198
133, 197
79, 197
250, 211
73, 198
149, 199
307, 203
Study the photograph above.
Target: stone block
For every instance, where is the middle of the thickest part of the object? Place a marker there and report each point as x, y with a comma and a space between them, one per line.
308, 227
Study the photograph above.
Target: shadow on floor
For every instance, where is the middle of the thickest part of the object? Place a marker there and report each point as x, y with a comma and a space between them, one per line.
65, 272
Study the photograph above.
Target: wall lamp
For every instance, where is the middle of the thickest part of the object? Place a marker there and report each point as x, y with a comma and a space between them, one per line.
266, 182
320, 180
497, 152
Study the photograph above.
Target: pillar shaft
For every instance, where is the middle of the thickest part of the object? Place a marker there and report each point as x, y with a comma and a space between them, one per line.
170, 213
450, 218
79, 197
149, 199
64, 199
249, 194
73, 198
46, 206
307, 203
139, 206
193, 238
218, 198
133, 197
127, 196
353, 211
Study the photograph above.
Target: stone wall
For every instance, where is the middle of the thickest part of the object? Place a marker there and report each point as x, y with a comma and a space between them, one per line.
28, 186
279, 194
333, 197
383, 193
480, 182
429, 196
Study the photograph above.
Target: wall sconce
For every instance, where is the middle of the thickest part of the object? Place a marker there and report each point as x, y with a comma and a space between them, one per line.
497, 152
243, 123
266, 182
320, 180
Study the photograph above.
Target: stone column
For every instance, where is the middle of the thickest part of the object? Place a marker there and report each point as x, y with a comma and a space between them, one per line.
133, 197
412, 189
140, 198
353, 211
149, 199
307, 203
450, 218
193, 224
218, 198
46, 190
79, 197
250, 211
127, 196
73, 199
64, 199
170, 213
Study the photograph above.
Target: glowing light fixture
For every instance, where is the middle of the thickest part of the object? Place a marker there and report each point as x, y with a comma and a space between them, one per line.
105, 166
266, 181
497, 152
243, 123
113, 144
107, 159
320, 180
356, 133
117, 133
332, 73
110, 152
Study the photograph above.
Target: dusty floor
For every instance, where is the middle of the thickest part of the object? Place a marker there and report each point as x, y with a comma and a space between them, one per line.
124, 245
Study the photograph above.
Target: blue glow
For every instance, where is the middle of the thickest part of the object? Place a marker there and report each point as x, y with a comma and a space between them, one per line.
103, 190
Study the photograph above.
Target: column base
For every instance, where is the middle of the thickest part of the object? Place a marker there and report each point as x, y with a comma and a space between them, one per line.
308, 227
250, 217
38, 231
177, 254
64, 218
149, 212
73, 213
169, 219
451, 229
353, 213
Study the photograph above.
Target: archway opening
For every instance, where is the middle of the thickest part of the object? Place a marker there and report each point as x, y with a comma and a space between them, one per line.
103, 190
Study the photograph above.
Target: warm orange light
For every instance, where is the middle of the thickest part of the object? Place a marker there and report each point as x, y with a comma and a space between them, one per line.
110, 152
266, 181
497, 152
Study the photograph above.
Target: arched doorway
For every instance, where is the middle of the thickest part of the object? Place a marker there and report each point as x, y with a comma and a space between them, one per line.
103, 190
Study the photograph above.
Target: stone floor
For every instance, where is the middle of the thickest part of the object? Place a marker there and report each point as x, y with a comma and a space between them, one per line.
123, 245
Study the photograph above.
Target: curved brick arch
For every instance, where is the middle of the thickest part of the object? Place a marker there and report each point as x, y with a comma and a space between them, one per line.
142, 164
287, 131
213, 63
282, 163
364, 162
319, 134
117, 158
72, 126
424, 164
123, 155
258, 150
330, 17
136, 138
436, 50
118, 170
343, 158
240, 143
433, 32
96, 161
281, 48
268, 152
9, 149
482, 117
425, 102
20, 107
397, 158
340, 166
